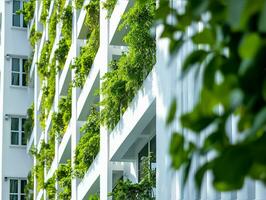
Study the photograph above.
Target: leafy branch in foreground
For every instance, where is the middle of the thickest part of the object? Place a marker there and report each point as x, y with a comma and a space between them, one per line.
234, 49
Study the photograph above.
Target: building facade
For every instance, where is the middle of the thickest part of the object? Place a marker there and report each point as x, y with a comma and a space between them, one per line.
76, 48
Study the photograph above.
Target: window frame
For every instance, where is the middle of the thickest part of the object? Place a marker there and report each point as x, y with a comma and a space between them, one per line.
21, 16
19, 191
20, 72
20, 131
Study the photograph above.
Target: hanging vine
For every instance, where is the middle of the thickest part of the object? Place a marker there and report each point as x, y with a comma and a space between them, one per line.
89, 144
85, 60
109, 5
45, 10
29, 123
64, 175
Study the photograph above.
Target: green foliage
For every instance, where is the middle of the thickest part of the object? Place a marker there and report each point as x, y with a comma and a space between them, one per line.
50, 188
29, 123
60, 120
79, 3
34, 36
29, 186
235, 48
27, 67
109, 5
94, 197
85, 60
52, 27
28, 10
128, 73
48, 94
89, 144
64, 175
65, 43
143, 190
44, 60
45, 10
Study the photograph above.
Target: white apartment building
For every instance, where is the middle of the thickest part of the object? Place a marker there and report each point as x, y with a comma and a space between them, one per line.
140, 130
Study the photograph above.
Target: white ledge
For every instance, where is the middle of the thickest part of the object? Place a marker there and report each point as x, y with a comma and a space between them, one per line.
30, 141
139, 113
65, 75
51, 170
40, 194
39, 101
82, 29
65, 143
90, 180
87, 97
116, 36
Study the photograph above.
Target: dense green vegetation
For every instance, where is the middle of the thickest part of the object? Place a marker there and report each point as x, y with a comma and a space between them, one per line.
89, 144
29, 123
127, 74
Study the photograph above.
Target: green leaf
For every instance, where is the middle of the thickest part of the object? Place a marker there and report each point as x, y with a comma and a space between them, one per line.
196, 57
204, 37
171, 112
249, 46
200, 174
262, 19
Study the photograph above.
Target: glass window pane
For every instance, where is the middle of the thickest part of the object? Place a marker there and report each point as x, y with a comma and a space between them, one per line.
13, 186
23, 65
23, 122
16, 20
14, 138
24, 80
15, 79
16, 6
14, 124
22, 197
15, 64
22, 186
13, 197
23, 139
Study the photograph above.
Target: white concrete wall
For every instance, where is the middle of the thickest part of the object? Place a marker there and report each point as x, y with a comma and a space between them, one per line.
15, 101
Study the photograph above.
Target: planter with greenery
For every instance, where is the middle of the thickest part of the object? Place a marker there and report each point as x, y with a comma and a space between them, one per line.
89, 144
127, 74
35, 36
85, 60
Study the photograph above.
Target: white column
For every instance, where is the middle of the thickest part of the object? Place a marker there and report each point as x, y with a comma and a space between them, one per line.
74, 131
106, 173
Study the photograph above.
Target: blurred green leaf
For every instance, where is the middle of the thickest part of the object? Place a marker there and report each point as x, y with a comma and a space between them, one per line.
249, 46
204, 37
171, 112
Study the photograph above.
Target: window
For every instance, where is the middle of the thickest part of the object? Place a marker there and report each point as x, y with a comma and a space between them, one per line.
18, 19
18, 72
18, 136
148, 150
17, 189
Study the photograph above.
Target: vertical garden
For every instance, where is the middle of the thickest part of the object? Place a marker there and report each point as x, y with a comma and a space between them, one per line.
120, 84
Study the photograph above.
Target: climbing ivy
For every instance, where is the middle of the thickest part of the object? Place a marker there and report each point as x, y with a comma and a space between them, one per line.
109, 5
85, 60
79, 3
94, 197
64, 175
29, 123
89, 144
127, 74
